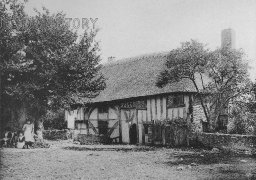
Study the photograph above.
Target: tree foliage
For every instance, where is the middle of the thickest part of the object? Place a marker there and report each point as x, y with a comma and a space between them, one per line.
243, 114
252, 101
43, 62
242, 119
184, 62
219, 76
55, 120
187, 61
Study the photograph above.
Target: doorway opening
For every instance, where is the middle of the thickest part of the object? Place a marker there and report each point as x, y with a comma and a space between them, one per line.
133, 134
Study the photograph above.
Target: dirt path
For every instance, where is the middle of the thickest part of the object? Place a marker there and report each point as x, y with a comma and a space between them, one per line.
68, 161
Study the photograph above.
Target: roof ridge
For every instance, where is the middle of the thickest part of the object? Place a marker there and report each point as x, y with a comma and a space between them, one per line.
136, 58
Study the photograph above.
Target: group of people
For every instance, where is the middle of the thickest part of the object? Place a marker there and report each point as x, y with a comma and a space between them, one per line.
25, 137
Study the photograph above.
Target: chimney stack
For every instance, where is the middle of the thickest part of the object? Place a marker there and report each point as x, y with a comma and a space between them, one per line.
228, 38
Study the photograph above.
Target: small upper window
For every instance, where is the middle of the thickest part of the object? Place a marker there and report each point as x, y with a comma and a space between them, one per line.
103, 109
175, 101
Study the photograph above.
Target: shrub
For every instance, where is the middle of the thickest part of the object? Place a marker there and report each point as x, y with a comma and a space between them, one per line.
242, 123
55, 134
55, 120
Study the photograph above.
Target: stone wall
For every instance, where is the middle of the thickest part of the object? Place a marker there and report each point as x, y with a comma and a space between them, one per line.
230, 142
198, 117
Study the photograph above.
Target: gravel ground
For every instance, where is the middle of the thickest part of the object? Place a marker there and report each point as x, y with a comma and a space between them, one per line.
64, 160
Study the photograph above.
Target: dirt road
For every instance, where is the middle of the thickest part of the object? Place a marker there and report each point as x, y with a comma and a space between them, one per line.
68, 161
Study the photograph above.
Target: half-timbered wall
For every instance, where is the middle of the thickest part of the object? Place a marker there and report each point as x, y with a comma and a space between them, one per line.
142, 117
158, 108
133, 113
93, 121
113, 124
86, 120
162, 107
128, 117
129, 112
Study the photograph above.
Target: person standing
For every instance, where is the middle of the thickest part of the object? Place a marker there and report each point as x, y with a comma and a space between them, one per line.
28, 130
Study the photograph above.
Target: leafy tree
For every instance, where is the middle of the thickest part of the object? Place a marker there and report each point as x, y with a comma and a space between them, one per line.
219, 76
242, 119
55, 120
11, 14
187, 61
252, 101
229, 83
45, 64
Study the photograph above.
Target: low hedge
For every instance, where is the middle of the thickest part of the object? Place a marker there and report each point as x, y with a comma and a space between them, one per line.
92, 139
57, 134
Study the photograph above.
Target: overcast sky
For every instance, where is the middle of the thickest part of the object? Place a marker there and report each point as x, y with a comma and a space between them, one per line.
129, 28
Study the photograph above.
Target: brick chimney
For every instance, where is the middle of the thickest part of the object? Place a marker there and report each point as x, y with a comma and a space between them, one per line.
228, 38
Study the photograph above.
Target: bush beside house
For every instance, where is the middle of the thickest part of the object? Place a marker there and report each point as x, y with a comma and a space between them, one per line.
57, 134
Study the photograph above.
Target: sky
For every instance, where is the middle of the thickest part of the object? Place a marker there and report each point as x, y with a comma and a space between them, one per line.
129, 28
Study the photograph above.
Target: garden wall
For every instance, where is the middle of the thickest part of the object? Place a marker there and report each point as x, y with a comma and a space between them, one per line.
230, 142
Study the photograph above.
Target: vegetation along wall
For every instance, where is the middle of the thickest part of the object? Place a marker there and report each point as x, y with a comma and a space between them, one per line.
230, 142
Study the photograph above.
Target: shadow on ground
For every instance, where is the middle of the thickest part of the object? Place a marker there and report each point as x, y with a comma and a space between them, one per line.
218, 165
202, 158
124, 149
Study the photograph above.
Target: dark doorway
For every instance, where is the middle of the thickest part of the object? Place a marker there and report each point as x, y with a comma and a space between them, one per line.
133, 134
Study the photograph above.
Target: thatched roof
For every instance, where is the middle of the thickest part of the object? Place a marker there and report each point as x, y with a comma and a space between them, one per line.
136, 77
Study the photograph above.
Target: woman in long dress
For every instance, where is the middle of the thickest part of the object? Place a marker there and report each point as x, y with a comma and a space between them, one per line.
28, 130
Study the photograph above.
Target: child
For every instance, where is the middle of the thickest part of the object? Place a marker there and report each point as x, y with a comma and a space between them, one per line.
5, 140
21, 141
28, 129
14, 139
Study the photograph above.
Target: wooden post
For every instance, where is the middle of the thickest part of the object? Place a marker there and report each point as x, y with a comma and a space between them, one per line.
149, 110
153, 134
137, 127
143, 133
98, 117
120, 124
164, 107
